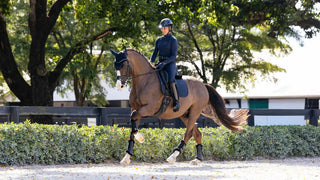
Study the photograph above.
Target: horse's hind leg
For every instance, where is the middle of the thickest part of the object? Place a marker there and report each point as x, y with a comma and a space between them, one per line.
197, 136
191, 130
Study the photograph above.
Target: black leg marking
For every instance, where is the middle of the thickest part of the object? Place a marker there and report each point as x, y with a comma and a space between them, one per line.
199, 152
134, 114
133, 130
130, 147
134, 126
180, 147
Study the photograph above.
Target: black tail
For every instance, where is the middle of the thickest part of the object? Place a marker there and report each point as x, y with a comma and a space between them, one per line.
233, 121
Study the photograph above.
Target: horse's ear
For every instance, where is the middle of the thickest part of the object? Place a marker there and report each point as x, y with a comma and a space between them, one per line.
125, 51
112, 51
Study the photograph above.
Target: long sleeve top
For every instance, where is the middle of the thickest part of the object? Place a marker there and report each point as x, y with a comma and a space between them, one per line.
167, 47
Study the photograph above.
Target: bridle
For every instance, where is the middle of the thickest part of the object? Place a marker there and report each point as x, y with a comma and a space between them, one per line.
129, 71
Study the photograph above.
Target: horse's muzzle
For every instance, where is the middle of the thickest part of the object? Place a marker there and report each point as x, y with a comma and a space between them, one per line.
121, 84
121, 80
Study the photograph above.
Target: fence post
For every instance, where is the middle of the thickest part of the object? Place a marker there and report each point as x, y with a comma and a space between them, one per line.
14, 114
251, 118
102, 117
107, 119
314, 116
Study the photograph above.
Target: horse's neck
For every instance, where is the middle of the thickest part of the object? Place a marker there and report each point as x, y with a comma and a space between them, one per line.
141, 71
139, 65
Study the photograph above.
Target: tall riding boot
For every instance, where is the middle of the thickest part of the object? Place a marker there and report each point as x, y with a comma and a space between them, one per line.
176, 105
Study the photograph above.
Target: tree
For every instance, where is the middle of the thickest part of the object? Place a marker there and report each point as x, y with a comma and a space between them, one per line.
83, 73
123, 17
218, 38
42, 81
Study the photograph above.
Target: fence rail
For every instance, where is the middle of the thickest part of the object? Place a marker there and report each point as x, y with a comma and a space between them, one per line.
311, 114
121, 116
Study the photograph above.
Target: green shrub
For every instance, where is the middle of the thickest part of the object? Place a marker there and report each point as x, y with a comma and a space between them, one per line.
28, 143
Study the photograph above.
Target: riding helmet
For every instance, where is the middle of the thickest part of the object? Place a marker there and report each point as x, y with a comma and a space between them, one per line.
166, 22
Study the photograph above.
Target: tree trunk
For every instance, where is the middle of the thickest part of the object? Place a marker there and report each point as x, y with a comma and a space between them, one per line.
79, 89
43, 83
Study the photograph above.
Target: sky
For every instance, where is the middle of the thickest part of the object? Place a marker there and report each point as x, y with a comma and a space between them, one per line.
301, 78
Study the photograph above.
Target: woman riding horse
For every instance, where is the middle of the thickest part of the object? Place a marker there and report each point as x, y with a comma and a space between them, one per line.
167, 47
146, 97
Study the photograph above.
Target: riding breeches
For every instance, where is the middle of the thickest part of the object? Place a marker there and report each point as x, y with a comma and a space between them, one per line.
171, 69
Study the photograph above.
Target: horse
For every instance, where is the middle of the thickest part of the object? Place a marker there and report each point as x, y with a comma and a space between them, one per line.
146, 98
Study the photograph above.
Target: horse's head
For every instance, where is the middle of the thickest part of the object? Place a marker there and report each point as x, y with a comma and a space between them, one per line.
122, 66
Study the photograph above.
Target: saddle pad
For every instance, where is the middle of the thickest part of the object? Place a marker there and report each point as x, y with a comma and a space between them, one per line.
181, 84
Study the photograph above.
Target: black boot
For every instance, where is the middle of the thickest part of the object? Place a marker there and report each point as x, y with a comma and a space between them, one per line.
176, 105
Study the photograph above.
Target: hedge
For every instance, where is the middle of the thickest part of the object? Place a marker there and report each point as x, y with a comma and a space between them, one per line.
27, 143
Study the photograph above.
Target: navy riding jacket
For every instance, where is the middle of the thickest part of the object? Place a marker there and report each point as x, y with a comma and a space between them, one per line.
167, 46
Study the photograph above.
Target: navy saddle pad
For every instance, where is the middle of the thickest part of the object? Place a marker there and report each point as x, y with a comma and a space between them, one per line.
181, 84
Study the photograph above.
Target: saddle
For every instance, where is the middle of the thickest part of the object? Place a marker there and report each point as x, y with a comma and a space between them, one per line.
182, 89
180, 83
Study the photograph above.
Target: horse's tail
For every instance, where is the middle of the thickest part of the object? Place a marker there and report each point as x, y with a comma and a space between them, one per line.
233, 121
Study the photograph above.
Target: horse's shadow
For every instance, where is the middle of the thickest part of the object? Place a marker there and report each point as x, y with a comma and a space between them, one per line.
198, 168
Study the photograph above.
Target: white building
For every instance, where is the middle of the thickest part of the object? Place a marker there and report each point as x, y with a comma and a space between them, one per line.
273, 102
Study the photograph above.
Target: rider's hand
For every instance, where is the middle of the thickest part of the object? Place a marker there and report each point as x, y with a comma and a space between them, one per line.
160, 65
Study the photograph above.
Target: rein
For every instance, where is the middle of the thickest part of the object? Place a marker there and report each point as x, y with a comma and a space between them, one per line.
129, 77
133, 77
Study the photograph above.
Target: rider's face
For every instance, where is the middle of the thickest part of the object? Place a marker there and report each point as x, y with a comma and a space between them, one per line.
165, 30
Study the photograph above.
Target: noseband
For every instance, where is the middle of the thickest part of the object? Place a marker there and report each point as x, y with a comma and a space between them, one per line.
128, 72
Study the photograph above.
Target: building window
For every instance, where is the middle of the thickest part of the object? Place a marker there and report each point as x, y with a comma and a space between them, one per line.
258, 103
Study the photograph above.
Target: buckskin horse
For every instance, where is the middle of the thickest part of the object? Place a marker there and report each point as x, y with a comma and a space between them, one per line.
146, 100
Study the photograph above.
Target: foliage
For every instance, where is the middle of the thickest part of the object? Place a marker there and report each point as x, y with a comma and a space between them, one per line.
219, 39
83, 74
5, 6
28, 143
48, 41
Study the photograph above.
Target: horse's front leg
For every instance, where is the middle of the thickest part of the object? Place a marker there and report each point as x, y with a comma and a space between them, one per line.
135, 120
134, 131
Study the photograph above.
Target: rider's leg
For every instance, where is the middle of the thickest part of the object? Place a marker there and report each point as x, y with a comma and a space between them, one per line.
172, 71
176, 105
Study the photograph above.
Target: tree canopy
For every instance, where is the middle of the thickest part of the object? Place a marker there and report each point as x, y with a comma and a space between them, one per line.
49, 46
219, 38
45, 42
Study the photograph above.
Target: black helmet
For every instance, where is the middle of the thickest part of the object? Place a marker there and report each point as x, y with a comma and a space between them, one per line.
166, 22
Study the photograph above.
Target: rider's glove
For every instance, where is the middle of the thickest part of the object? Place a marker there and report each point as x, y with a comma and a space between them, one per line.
160, 65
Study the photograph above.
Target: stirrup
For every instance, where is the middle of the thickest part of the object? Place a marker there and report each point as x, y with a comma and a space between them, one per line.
176, 106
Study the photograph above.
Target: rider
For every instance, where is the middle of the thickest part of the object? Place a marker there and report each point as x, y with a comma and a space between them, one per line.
167, 46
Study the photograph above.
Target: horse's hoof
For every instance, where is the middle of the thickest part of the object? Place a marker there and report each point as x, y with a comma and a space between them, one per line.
139, 137
173, 157
126, 160
195, 162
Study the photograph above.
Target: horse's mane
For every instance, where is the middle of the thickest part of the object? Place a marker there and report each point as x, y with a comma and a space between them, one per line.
139, 53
